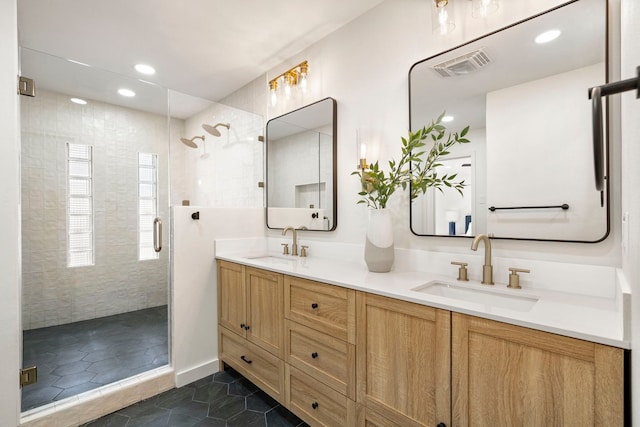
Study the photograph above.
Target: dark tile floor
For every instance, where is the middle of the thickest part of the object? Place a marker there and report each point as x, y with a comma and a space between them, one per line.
225, 399
80, 356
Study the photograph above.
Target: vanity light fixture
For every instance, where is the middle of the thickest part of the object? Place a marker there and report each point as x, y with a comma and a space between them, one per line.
295, 77
483, 8
442, 17
548, 36
145, 69
78, 101
126, 92
362, 152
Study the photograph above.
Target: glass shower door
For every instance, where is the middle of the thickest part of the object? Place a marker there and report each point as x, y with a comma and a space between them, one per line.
95, 276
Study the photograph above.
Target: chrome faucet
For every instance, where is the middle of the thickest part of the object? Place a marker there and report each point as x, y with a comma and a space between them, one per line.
487, 269
294, 245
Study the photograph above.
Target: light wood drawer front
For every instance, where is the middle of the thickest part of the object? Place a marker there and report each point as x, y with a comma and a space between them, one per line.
316, 403
323, 357
327, 308
258, 365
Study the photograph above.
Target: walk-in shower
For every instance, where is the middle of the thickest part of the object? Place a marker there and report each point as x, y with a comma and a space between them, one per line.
94, 177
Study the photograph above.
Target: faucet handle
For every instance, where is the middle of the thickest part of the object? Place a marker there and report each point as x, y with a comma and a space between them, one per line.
514, 279
462, 271
303, 250
285, 248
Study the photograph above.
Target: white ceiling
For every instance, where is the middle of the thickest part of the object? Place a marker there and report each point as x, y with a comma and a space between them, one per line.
204, 48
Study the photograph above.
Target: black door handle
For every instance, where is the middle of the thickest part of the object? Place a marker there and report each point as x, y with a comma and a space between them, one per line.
249, 362
314, 405
314, 305
314, 355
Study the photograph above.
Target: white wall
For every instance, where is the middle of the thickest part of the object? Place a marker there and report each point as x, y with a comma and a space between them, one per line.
10, 333
631, 183
194, 305
118, 282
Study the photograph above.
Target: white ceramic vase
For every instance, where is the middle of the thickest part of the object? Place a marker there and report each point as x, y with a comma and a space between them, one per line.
378, 249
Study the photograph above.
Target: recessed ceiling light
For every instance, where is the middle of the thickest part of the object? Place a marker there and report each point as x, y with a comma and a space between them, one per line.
145, 69
447, 119
126, 92
547, 36
78, 101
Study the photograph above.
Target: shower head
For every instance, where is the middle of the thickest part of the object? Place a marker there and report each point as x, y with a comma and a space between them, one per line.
213, 129
190, 143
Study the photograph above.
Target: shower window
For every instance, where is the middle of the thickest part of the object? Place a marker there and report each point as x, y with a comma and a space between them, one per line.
147, 204
80, 247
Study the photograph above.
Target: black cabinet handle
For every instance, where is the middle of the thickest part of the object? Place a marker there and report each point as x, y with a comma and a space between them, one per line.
249, 362
314, 355
247, 327
314, 405
242, 325
314, 305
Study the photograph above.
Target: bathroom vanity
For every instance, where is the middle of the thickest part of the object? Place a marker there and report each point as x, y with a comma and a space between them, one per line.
339, 346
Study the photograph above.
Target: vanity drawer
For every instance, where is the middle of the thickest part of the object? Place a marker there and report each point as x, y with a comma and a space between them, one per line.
258, 365
316, 403
326, 308
323, 357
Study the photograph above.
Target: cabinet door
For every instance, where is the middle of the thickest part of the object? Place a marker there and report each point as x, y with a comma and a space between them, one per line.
231, 297
403, 360
509, 375
265, 312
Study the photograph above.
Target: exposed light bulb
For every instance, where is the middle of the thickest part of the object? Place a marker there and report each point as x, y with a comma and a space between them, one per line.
484, 8
302, 83
273, 90
442, 17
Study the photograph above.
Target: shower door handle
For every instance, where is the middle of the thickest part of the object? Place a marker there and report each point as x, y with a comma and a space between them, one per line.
157, 234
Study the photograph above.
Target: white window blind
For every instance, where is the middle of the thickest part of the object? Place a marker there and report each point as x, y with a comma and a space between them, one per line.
147, 204
80, 247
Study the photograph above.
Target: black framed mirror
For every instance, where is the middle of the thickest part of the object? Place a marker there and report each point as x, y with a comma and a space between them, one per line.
529, 167
301, 184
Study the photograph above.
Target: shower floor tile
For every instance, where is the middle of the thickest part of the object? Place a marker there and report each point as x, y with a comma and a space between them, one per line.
225, 399
80, 356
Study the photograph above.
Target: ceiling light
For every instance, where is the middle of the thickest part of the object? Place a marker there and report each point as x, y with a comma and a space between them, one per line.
548, 36
447, 119
126, 92
145, 69
294, 78
78, 101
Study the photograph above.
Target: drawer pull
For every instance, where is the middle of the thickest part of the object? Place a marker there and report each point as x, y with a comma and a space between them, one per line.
314, 405
314, 305
247, 361
314, 355
247, 327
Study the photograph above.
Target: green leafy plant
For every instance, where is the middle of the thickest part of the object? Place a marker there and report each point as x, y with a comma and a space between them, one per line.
417, 168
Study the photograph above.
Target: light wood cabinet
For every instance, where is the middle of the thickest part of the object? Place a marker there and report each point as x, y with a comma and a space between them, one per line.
403, 358
335, 356
259, 366
515, 376
326, 308
251, 325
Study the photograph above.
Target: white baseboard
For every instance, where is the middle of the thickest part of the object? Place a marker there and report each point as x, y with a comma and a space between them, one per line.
193, 374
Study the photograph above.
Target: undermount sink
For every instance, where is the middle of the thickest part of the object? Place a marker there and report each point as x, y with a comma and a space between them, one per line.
272, 259
487, 297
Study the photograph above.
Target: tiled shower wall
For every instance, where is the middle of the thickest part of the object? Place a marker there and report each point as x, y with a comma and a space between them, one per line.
52, 293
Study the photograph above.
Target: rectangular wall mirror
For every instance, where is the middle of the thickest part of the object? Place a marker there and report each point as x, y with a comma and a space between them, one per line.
529, 167
301, 168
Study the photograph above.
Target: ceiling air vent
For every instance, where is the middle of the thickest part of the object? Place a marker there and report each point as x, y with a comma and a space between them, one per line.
463, 65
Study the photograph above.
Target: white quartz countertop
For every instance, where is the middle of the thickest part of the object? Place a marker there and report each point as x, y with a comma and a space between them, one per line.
596, 319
